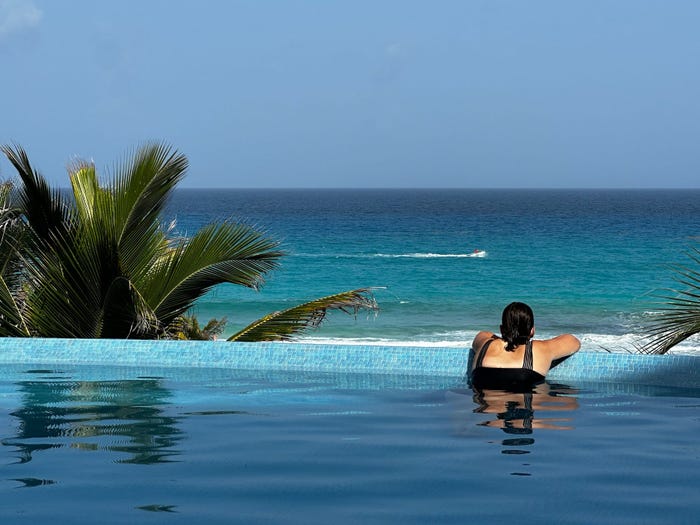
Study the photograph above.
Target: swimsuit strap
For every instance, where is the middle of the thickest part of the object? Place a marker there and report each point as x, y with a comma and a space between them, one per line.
527, 358
480, 359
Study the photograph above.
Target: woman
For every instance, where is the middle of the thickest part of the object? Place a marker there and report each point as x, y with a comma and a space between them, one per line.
514, 361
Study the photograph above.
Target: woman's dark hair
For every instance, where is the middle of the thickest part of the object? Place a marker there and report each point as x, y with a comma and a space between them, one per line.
517, 323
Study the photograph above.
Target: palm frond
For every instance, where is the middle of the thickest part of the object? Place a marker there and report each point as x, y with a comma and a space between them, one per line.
141, 189
187, 328
11, 320
286, 324
678, 318
12, 233
219, 253
126, 314
80, 286
138, 251
45, 209
11, 264
86, 188
68, 286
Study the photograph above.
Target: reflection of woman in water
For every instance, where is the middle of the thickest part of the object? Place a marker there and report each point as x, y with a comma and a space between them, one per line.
515, 412
514, 361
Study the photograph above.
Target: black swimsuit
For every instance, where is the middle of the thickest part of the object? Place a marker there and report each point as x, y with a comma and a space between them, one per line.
514, 379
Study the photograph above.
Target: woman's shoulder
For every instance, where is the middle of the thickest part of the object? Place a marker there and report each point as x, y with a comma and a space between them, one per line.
481, 338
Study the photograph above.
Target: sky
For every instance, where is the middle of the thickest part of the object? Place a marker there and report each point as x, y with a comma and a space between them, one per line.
360, 93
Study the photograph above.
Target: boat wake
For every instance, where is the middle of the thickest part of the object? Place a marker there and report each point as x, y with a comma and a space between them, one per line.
433, 255
419, 255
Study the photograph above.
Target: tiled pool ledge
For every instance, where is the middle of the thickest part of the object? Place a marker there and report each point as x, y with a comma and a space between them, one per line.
667, 370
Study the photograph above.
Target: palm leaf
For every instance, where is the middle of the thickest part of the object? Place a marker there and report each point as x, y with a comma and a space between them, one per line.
65, 298
12, 236
141, 189
81, 291
220, 253
86, 189
679, 316
126, 314
11, 320
45, 209
122, 256
11, 264
284, 325
187, 328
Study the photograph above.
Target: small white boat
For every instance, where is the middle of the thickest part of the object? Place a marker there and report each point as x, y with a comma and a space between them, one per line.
477, 253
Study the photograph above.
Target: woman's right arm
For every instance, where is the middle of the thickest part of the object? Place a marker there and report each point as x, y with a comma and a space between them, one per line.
562, 346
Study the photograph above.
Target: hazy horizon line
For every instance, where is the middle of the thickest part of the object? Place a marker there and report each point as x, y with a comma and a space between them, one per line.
434, 188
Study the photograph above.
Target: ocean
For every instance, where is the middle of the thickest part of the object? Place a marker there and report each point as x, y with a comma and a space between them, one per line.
589, 262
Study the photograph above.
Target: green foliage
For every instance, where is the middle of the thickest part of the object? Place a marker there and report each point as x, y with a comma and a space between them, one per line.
12, 293
187, 328
284, 325
101, 265
679, 317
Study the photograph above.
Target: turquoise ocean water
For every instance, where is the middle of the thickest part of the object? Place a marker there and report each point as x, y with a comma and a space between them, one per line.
590, 262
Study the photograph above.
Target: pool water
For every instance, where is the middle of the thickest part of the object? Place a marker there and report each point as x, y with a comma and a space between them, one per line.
169, 445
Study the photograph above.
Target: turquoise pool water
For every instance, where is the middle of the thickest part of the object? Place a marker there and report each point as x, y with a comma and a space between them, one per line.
149, 444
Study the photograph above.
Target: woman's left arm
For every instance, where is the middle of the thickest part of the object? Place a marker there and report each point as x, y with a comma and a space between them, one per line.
480, 340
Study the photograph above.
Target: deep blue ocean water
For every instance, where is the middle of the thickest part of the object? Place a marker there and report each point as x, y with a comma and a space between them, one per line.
589, 262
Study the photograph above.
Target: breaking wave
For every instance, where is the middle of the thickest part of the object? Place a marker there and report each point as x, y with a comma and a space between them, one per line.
590, 342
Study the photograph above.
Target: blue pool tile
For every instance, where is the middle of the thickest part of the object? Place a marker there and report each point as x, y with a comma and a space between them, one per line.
667, 370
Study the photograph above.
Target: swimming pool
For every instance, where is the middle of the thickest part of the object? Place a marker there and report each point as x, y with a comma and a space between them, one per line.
168, 444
